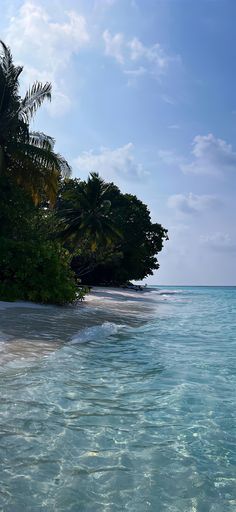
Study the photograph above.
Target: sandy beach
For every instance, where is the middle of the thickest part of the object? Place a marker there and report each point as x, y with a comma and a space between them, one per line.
23, 324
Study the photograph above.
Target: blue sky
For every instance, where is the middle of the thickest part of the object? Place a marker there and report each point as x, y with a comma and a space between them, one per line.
145, 94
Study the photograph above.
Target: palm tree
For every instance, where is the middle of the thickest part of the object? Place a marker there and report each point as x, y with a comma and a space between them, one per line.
26, 157
91, 219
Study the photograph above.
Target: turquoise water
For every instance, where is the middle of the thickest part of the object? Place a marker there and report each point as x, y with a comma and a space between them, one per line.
128, 403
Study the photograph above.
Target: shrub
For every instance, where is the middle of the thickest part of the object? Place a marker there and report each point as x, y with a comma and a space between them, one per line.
35, 272
32, 267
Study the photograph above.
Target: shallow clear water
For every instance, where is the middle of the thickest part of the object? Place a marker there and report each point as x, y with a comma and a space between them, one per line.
127, 403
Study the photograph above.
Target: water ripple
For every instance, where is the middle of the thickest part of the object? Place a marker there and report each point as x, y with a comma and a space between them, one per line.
136, 414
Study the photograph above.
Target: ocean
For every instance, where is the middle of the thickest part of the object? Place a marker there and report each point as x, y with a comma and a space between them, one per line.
125, 403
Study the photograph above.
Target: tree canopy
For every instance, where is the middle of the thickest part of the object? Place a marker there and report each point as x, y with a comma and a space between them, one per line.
56, 231
32, 266
26, 157
133, 241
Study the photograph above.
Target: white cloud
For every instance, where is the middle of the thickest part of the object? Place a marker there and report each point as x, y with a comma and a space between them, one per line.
211, 156
192, 203
45, 47
219, 241
114, 45
152, 59
111, 163
153, 54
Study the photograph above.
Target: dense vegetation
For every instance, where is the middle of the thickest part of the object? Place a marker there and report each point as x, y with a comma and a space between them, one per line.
115, 238
56, 232
32, 266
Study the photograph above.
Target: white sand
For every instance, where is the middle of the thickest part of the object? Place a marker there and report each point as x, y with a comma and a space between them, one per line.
33, 330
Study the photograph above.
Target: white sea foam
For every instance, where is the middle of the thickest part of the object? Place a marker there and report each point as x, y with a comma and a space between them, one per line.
169, 292
96, 332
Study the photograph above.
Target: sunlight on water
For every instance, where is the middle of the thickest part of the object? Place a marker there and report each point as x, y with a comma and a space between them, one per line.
126, 403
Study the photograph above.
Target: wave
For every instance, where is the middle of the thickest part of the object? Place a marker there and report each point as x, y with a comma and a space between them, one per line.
96, 332
170, 292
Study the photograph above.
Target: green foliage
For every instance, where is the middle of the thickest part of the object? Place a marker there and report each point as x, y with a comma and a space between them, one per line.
87, 216
111, 244
28, 158
103, 235
142, 239
32, 267
35, 272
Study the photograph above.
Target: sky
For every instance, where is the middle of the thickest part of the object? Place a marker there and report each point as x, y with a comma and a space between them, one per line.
144, 92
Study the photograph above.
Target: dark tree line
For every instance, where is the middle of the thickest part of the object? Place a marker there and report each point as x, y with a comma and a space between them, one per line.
117, 240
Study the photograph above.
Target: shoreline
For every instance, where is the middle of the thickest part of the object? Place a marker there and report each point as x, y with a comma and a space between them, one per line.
31, 330
95, 291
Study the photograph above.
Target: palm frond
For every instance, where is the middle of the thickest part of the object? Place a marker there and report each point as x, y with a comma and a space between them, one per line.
28, 157
9, 74
65, 168
44, 157
8, 68
33, 99
37, 180
6, 57
41, 140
